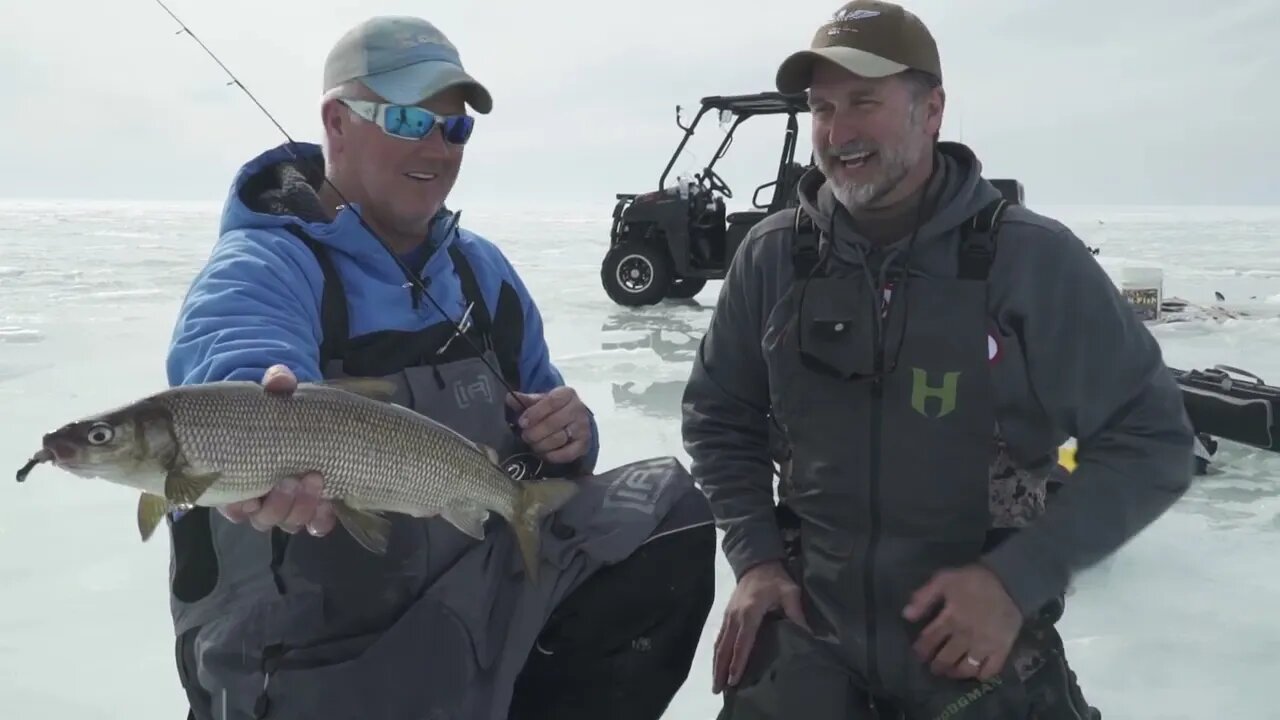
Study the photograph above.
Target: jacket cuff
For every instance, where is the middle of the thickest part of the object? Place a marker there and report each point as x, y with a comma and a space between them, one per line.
751, 543
1030, 576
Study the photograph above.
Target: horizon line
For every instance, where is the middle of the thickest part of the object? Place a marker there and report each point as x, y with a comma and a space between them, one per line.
537, 202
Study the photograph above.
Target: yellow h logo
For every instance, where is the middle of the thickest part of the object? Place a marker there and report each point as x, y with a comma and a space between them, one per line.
922, 391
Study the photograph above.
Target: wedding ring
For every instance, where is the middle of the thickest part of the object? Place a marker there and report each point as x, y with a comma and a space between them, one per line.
969, 659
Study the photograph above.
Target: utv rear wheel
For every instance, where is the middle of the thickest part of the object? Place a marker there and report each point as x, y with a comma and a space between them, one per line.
635, 275
686, 288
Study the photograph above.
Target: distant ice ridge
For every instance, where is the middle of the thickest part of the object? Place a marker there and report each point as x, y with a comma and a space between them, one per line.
13, 334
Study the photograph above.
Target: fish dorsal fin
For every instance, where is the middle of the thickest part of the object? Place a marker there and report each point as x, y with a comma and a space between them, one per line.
374, 388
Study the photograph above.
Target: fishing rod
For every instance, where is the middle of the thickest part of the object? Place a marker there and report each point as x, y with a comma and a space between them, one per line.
412, 277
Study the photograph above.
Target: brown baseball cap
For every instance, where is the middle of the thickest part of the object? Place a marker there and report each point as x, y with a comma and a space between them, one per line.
868, 38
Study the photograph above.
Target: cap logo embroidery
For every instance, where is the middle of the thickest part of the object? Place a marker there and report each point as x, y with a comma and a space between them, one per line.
407, 40
841, 19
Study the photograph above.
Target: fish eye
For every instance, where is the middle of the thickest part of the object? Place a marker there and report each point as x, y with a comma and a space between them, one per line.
100, 434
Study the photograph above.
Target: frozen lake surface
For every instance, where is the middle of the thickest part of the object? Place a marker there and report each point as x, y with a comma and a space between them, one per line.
1180, 624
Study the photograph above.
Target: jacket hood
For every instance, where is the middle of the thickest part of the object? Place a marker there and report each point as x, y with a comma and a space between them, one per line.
957, 184
281, 186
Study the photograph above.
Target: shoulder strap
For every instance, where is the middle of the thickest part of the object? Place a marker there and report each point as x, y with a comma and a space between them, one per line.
804, 245
333, 301
978, 241
471, 289
505, 339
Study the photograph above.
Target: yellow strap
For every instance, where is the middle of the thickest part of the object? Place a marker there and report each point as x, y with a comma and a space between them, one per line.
1067, 458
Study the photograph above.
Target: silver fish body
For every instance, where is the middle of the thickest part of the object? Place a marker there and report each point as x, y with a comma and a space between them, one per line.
373, 455
226, 442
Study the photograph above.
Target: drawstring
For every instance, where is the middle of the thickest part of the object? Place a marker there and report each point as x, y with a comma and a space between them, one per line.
878, 301
880, 306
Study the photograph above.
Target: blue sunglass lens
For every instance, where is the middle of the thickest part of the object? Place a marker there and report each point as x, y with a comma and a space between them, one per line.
414, 123
457, 130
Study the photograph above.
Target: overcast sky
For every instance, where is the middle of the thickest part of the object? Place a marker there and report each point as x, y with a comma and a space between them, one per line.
1137, 101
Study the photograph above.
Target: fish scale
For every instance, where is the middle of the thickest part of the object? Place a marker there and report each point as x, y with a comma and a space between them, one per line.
217, 443
370, 453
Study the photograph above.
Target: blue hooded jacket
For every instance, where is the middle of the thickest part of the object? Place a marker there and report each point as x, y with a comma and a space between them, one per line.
256, 302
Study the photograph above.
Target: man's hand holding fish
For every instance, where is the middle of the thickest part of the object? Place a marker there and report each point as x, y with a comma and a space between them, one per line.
294, 503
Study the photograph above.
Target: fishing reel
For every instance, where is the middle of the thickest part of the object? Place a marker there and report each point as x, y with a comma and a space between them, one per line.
523, 466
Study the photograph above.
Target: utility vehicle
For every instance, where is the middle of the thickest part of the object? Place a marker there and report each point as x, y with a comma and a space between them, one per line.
668, 243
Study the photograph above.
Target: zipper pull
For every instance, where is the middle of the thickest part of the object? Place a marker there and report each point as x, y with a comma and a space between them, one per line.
415, 296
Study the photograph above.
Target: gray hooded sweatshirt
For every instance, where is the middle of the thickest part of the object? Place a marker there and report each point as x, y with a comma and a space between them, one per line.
891, 476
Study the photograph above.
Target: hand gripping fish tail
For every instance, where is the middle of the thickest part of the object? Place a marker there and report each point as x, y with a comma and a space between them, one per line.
537, 500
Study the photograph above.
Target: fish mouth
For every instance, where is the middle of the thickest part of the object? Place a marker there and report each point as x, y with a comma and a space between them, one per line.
43, 455
59, 450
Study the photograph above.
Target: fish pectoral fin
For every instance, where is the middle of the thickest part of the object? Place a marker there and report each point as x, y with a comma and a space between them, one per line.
490, 453
151, 511
374, 388
372, 531
467, 517
184, 488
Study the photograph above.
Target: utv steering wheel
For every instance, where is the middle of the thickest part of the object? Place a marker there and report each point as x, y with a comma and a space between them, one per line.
716, 183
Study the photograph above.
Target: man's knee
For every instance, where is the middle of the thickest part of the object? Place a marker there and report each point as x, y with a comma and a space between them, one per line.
662, 592
1052, 688
668, 580
674, 582
791, 675
1044, 684
622, 644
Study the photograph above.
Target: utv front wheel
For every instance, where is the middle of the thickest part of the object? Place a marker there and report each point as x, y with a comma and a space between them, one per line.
635, 275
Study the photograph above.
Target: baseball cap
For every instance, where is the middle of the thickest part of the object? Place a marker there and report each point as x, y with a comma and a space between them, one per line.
868, 38
403, 59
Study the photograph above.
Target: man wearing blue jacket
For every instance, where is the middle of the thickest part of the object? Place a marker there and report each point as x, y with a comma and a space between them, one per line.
343, 260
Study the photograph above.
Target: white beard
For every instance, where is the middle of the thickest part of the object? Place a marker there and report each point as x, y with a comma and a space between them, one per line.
895, 163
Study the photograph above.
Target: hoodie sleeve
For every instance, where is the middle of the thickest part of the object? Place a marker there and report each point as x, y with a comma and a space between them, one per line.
725, 425
252, 305
1099, 375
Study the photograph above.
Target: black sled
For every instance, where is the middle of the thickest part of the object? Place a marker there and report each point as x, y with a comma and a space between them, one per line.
1231, 404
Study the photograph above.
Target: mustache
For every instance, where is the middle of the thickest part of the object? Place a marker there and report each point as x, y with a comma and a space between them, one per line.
850, 148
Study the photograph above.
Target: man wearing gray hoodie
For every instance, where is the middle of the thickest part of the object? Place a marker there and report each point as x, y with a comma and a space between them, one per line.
919, 348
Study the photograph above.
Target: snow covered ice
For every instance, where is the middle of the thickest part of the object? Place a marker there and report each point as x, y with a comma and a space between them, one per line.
1180, 624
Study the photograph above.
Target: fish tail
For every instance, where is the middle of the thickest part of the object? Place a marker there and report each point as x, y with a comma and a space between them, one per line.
537, 500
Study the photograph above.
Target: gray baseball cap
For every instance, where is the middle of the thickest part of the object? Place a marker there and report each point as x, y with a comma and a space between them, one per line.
403, 59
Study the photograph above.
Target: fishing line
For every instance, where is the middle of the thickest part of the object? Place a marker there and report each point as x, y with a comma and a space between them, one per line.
413, 279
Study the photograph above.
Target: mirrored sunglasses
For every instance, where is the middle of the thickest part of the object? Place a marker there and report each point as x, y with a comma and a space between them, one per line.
410, 122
